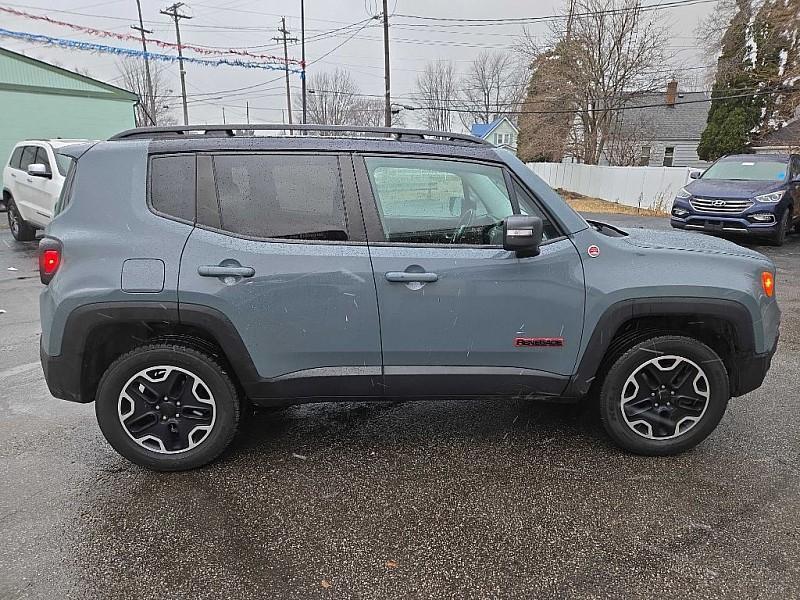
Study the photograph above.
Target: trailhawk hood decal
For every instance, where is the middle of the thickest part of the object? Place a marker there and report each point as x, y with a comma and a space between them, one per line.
693, 242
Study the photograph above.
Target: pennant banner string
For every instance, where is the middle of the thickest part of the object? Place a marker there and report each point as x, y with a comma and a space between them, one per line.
160, 43
129, 52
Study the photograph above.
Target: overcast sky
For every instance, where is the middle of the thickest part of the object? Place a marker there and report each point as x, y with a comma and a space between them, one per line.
251, 23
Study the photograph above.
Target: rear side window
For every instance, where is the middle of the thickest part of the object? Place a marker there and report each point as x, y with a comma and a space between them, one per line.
28, 157
15, 157
172, 185
281, 196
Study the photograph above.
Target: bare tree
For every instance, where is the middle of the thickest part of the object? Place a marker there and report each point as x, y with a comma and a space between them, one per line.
369, 112
437, 89
333, 98
612, 52
493, 86
152, 109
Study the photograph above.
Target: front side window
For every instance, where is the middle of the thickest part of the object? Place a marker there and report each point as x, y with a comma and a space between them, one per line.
527, 206
43, 159
281, 196
432, 201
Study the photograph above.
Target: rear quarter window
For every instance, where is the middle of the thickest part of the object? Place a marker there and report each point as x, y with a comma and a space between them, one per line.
172, 185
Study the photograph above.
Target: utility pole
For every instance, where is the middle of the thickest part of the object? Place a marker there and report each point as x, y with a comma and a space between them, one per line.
303, 55
387, 109
247, 109
151, 110
223, 116
284, 38
172, 11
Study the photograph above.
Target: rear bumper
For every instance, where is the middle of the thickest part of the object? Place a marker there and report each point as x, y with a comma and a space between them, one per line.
62, 376
749, 371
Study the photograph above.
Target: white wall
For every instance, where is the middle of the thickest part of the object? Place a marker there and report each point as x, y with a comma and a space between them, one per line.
644, 187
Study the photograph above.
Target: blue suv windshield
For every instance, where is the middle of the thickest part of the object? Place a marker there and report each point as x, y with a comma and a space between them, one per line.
744, 169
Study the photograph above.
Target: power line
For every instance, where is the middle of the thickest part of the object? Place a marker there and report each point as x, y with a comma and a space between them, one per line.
464, 22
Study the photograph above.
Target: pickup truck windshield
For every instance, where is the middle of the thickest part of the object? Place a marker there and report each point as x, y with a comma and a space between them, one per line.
748, 170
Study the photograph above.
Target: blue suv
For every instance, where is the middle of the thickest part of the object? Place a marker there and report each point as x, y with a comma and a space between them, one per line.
755, 194
193, 273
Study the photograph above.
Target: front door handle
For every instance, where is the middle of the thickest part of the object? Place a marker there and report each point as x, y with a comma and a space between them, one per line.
225, 271
406, 277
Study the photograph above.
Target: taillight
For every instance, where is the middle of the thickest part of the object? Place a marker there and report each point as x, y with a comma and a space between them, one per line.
768, 283
49, 259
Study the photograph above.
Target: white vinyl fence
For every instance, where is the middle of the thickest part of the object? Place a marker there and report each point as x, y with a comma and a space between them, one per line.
643, 187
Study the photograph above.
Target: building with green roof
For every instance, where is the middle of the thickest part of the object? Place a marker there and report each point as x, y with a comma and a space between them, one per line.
42, 101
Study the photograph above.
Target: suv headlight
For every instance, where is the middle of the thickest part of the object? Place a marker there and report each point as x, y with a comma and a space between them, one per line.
683, 194
770, 198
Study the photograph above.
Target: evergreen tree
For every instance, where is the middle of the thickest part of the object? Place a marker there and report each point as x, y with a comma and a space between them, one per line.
732, 120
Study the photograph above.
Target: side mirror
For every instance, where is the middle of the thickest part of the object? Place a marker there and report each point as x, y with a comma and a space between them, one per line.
522, 234
39, 170
695, 174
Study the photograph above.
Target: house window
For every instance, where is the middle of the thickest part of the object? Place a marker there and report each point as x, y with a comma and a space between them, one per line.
644, 157
501, 139
669, 155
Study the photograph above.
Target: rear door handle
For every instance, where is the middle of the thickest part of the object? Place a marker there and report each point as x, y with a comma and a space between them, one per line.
223, 271
405, 277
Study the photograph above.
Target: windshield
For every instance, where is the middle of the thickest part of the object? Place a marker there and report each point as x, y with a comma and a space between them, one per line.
744, 169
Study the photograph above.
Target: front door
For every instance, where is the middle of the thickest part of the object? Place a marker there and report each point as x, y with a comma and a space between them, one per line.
460, 315
279, 254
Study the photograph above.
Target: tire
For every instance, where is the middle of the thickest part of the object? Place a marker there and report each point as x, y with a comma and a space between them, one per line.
779, 237
22, 231
674, 386
155, 433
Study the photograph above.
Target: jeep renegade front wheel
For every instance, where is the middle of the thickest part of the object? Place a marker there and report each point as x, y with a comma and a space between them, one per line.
664, 395
167, 407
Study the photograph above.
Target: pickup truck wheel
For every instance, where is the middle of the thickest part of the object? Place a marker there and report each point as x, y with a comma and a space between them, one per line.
167, 407
22, 231
664, 396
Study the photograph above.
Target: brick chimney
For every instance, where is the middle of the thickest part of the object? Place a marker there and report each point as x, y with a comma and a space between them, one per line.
672, 92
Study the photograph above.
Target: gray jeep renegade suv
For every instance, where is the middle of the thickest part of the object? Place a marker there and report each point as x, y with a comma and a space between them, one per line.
192, 272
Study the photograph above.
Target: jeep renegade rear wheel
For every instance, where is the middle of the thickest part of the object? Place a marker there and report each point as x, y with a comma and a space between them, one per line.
664, 395
167, 407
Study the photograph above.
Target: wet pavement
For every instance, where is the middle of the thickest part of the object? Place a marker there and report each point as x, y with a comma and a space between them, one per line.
469, 499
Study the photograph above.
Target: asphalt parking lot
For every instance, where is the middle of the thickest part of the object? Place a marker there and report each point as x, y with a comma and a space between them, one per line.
470, 499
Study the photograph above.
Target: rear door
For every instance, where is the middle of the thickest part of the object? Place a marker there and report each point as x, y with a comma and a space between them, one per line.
460, 315
279, 249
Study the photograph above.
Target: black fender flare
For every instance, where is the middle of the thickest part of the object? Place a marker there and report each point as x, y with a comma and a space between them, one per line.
621, 312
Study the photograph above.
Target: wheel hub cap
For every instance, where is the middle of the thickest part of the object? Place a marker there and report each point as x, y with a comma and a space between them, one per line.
166, 409
665, 397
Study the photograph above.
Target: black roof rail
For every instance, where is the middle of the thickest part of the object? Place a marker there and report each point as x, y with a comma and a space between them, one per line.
230, 131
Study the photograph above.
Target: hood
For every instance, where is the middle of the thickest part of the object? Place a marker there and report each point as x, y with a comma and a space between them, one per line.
689, 241
731, 188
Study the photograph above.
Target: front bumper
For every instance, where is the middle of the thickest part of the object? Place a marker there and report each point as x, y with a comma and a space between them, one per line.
63, 376
749, 371
712, 222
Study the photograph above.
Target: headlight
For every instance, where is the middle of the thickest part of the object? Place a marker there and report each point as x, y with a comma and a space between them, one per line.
771, 198
683, 194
